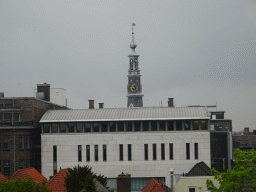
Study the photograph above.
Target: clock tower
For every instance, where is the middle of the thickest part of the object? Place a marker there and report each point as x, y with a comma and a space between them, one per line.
134, 88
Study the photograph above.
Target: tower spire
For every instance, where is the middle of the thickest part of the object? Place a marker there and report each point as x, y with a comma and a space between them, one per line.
133, 45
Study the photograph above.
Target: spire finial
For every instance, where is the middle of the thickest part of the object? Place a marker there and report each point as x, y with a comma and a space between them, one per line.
133, 45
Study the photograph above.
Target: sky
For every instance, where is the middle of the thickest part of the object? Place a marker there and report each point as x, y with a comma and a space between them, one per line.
197, 52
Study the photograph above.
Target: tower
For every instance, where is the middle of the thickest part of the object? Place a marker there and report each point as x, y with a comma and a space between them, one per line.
134, 88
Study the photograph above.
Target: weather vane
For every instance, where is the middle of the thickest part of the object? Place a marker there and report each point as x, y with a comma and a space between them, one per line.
133, 24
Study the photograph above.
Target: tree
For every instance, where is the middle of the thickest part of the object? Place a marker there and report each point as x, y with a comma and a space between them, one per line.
23, 186
241, 178
82, 178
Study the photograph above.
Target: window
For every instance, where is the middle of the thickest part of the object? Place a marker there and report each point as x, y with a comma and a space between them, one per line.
46, 128
128, 125
0, 143
21, 164
192, 189
87, 152
171, 150
79, 127
170, 125
146, 151
63, 128
196, 150
96, 127
162, 151
1, 115
7, 142
54, 127
28, 142
187, 125
104, 127
7, 168
145, 125
8, 117
162, 126
0, 165
120, 126
153, 125
188, 150
129, 152
28, 163
96, 154
16, 117
104, 152
87, 127
21, 142
112, 126
178, 125
137, 126
71, 127
203, 125
79, 153
195, 125
54, 160
121, 152
154, 151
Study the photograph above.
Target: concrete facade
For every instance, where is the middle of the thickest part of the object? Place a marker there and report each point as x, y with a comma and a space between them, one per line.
67, 152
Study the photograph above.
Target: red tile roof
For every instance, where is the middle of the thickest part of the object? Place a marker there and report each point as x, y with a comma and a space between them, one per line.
2, 177
24, 174
56, 184
155, 186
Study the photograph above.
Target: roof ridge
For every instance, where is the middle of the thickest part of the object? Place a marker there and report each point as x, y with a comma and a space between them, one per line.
204, 168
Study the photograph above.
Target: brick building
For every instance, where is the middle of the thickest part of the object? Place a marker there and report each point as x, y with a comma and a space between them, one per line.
20, 140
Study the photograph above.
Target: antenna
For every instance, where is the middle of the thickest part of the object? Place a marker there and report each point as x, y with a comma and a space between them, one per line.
133, 24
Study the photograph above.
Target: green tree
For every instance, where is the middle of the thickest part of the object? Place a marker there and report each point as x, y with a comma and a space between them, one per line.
241, 178
23, 186
82, 178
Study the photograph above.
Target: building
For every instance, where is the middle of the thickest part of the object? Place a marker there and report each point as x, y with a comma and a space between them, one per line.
246, 141
20, 139
134, 87
145, 142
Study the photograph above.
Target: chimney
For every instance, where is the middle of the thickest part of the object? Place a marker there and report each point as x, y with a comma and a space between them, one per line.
170, 102
101, 105
124, 182
91, 104
254, 132
246, 131
44, 89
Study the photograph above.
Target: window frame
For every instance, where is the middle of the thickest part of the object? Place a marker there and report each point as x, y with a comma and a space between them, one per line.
21, 161
21, 142
7, 169
6, 142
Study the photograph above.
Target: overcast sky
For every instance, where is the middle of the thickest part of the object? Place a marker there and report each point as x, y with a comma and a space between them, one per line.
197, 52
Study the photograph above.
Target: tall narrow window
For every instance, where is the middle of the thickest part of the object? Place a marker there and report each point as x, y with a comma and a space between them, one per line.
6, 142
79, 152
96, 154
196, 150
21, 142
16, 117
0, 146
154, 151
188, 150
104, 152
121, 152
171, 150
129, 152
162, 151
0, 166
28, 163
7, 168
28, 142
87, 152
54, 160
21, 164
146, 151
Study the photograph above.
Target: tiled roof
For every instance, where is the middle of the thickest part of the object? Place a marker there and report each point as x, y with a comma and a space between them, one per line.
2, 176
24, 174
155, 186
246, 141
56, 184
200, 169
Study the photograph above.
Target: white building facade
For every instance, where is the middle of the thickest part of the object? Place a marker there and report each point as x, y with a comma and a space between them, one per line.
144, 142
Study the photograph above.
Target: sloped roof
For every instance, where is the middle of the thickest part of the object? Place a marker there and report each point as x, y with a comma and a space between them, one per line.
155, 186
200, 169
3, 177
120, 114
56, 184
24, 174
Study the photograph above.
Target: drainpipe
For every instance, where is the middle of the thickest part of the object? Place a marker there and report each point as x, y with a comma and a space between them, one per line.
14, 150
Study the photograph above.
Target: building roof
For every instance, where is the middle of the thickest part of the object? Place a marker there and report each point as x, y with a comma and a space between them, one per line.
56, 184
3, 177
24, 174
121, 114
155, 186
246, 141
200, 169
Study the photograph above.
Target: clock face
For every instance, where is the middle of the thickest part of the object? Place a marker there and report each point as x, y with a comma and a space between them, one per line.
134, 88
